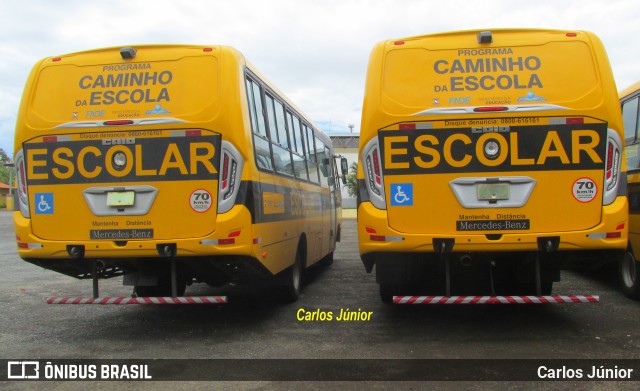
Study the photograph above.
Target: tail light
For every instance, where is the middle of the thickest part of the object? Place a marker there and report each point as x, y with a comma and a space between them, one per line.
373, 173
23, 189
612, 168
231, 164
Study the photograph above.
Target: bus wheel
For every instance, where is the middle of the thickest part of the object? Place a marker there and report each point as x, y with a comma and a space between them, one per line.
163, 289
290, 290
387, 291
530, 289
327, 260
629, 275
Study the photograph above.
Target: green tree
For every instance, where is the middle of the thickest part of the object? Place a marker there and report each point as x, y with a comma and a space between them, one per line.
4, 171
352, 181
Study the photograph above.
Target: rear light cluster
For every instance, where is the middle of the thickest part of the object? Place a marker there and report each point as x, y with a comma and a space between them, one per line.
23, 190
613, 157
374, 237
230, 239
373, 173
231, 164
612, 168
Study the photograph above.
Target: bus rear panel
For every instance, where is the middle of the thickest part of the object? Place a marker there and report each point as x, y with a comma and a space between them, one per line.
140, 162
489, 160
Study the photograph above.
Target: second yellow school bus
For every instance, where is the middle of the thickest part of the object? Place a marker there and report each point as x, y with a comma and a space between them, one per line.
629, 267
170, 165
489, 161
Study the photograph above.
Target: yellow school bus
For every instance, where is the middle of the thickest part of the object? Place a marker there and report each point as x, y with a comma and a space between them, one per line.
489, 161
170, 165
629, 268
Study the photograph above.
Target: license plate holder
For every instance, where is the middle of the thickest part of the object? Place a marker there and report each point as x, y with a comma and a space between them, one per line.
493, 191
121, 198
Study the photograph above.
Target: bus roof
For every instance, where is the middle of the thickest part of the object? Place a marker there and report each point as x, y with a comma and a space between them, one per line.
157, 80
560, 69
629, 90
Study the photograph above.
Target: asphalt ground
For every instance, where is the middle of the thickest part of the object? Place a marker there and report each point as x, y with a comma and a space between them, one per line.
254, 325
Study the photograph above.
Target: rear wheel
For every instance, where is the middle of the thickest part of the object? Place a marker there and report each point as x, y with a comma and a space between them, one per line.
327, 260
290, 289
387, 291
629, 275
530, 289
163, 289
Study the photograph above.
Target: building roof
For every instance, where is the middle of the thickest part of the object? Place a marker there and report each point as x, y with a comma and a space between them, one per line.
345, 140
4, 186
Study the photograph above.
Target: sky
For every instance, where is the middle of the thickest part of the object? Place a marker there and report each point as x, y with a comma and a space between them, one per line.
315, 51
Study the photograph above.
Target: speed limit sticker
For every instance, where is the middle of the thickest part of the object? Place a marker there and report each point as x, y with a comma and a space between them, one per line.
585, 189
200, 200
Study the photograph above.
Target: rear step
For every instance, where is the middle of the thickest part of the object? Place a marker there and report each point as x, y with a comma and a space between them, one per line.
139, 300
553, 299
166, 250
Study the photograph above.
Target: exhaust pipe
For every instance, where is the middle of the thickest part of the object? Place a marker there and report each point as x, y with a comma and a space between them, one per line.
75, 251
167, 250
465, 260
100, 265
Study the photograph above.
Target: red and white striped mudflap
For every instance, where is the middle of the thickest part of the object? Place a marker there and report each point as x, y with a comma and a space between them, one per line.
553, 299
139, 300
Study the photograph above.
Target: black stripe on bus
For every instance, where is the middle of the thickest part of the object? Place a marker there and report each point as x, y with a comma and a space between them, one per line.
270, 203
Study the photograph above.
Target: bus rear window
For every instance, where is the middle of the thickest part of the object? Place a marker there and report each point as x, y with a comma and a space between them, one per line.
66, 92
561, 73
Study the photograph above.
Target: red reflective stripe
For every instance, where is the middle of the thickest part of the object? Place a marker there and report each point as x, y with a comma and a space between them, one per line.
118, 122
528, 300
553, 299
139, 300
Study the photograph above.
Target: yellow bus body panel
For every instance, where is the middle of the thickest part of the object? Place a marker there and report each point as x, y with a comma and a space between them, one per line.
633, 178
168, 111
552, 106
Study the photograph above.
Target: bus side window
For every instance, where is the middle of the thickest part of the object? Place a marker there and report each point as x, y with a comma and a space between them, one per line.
311, 155
631, 129
259, 127
256, 114
634, 202
278, 137
283, 137
299, 164
323, 162
331, 177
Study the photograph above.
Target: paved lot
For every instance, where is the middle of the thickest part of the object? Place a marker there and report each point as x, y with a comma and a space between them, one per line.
256, 326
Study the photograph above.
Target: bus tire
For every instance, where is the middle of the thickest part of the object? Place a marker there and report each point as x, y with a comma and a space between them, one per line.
629, 275
163, 289
289, 291
530, 289
327, 260
387, 291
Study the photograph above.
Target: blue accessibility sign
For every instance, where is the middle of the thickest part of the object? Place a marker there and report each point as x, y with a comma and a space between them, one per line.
44, 203
402, 194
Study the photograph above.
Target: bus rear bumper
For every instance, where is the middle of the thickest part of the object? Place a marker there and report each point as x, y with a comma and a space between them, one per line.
229, 238
375, 236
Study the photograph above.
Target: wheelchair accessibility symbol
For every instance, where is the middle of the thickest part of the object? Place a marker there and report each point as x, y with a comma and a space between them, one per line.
44, 203
402, 194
